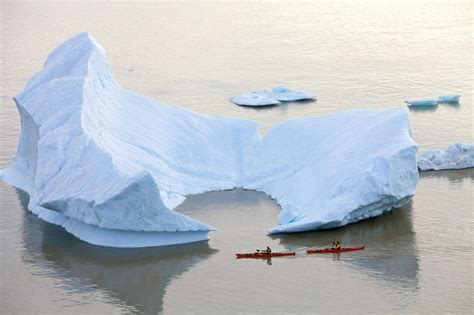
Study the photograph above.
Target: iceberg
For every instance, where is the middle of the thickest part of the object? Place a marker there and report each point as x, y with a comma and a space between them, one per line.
457, 156
449, 99
274, 96
110, 165
423, 102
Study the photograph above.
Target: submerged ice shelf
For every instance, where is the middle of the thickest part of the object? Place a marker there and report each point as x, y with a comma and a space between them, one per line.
457, 156
274, 96
109, 165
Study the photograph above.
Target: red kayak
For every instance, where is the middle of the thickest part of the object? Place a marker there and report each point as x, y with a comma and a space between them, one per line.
263, 255
330, 250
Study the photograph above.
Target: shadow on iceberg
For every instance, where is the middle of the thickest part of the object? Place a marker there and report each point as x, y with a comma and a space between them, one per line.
84, 267
390, 246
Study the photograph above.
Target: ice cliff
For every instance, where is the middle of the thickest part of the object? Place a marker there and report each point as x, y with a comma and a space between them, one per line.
457, 156
109, 165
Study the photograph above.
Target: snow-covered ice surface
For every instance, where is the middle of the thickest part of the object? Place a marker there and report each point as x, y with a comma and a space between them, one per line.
333, 170
109, 165
457, 156
449, 99
272, 97
285, 94
423, 102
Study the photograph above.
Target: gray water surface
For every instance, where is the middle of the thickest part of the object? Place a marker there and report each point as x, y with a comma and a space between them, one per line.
352, 54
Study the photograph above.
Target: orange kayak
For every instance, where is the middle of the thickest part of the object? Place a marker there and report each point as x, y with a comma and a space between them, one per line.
263, 255
330, 250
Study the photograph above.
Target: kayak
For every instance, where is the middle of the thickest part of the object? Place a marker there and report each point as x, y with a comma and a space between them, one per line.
330, 250
263, 255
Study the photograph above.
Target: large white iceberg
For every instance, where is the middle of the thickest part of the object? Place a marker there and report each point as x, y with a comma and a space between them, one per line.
109, 165
274, 96
457, 156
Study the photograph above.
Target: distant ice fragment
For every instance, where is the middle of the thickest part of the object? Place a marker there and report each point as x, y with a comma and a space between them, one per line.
253, 99
449, 99
422, 102
443, 99
457, 156
272, 97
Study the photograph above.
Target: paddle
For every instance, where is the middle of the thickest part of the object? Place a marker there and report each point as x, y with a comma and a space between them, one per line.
303, 248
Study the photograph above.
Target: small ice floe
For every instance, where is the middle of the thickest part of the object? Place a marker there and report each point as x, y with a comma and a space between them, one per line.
272, 97
253, 99
423, 102
457, 156
443, 99
449, 99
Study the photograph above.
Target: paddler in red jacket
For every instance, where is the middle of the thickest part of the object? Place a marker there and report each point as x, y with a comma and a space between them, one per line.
265, 251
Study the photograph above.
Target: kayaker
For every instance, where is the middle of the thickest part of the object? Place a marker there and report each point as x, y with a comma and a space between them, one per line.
265, 251
336, 245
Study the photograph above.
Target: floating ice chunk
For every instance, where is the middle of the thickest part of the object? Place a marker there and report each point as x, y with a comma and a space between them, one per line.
457, 156
253, 99
109, 165
446, 99
272, 97
449, 99
423, 102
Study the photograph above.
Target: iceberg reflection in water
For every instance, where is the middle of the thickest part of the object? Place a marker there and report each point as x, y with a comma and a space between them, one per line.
403, 258
134, 278
390, 246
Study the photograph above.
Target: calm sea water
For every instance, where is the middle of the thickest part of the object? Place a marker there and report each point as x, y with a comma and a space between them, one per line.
353, 54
